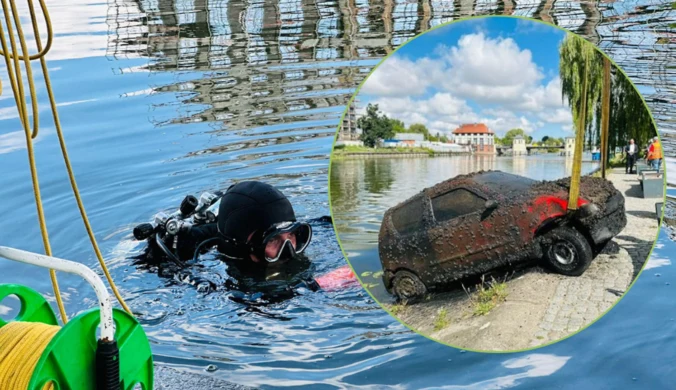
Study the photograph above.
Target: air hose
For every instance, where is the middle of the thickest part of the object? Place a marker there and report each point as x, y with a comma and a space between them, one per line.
35, 352
21, 345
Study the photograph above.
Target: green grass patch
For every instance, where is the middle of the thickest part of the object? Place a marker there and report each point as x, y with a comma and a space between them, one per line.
396, 309
441, 321
488, 296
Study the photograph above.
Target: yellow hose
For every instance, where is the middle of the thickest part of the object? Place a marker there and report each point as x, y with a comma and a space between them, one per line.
16, 82
21, 346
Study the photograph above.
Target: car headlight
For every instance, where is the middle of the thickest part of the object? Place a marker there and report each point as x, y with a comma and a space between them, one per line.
587, 210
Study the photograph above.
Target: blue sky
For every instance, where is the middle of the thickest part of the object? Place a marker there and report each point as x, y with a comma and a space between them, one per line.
499, 71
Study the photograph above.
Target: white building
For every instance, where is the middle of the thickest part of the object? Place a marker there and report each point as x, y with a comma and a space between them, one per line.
477, 135
348, 130
415, 137
519, 146
570, 146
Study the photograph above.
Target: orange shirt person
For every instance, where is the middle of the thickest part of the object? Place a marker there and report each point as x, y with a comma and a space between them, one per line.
655, 155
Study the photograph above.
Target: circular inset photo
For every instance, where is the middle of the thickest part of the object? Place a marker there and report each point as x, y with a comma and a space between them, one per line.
495, 184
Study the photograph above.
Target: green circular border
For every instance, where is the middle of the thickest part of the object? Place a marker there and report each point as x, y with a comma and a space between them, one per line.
356, 92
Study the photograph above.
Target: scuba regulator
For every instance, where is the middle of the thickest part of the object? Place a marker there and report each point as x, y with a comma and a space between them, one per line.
165, 229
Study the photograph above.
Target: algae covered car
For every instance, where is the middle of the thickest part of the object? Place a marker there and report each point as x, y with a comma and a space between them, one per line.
471, 224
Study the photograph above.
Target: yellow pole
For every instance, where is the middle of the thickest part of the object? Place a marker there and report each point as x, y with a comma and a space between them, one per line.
579, 141
605, 115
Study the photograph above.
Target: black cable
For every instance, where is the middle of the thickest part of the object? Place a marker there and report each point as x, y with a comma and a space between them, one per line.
167, 252
201, 244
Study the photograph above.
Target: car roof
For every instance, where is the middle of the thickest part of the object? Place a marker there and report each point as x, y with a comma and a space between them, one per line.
491, 183
501, 182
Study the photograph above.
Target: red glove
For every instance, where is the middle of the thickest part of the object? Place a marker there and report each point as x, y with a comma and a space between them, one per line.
338, 278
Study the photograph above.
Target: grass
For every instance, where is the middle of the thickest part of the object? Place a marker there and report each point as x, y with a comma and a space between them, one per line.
489, 295
348, 149
441, 321
396, 309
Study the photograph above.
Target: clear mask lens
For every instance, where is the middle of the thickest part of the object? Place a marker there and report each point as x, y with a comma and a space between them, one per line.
286, 240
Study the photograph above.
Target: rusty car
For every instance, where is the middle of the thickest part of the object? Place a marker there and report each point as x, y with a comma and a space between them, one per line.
475, 223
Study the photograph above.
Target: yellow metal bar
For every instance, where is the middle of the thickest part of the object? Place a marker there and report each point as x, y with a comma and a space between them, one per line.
605, 116
574, 191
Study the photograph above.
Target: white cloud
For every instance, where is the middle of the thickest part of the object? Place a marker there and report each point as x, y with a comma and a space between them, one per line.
480, 70
444, 112
486, 70
490, 70
402, 77
441, 112
561, 116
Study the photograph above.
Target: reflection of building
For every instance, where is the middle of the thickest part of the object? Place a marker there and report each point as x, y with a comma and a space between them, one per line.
257, 63
348, 128
477, 135
519, 165
519, 146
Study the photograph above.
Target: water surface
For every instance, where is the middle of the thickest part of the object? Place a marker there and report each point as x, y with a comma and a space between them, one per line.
164, 98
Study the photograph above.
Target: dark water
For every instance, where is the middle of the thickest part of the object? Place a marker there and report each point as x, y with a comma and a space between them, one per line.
363, 189
163, 98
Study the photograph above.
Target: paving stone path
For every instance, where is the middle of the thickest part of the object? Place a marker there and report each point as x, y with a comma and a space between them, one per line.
542, 306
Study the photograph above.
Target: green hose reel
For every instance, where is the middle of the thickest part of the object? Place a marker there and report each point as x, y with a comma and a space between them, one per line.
69, 359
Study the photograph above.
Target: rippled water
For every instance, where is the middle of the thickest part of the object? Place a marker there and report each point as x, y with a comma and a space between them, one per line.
362, 189
163, 98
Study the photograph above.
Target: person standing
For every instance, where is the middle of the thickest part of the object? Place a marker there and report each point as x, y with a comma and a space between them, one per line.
630, 151
655, 155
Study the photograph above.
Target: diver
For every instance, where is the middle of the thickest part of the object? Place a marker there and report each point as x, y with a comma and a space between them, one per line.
255, 230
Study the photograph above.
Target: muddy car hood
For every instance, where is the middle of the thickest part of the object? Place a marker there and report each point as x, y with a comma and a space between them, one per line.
593, 189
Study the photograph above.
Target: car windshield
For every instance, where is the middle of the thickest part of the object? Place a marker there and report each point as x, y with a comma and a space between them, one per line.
501, 182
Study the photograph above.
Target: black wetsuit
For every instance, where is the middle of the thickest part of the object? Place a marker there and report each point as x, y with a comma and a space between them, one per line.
247, 282
245, 207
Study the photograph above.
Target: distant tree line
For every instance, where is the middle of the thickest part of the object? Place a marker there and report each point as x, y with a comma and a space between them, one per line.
375, 126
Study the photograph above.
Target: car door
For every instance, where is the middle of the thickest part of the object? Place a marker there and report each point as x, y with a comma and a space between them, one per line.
409, 247
459, 237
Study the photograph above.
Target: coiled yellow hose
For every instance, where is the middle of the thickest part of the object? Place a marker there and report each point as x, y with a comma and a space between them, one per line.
22, 346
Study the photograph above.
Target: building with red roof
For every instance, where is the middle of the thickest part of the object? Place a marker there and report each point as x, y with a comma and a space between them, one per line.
478, 135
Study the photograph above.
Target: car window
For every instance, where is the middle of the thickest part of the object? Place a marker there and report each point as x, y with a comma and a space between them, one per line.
456, 203
408, 217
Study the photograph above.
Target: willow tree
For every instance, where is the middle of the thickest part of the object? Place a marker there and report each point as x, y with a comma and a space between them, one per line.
579, 59
629, 116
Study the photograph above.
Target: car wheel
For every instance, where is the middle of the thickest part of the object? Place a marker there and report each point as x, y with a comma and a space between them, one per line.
567, 251
407, 286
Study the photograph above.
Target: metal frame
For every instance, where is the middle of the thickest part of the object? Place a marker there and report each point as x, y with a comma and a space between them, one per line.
107, 325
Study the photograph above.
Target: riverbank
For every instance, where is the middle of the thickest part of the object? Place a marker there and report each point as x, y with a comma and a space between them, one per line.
542, 307
363, 151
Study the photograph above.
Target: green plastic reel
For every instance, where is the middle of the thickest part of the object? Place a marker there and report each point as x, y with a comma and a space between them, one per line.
70, 358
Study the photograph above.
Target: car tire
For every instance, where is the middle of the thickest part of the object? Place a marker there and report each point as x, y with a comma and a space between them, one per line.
566, 251
408, 287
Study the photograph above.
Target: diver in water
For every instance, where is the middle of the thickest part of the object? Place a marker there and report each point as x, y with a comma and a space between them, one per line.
254, 227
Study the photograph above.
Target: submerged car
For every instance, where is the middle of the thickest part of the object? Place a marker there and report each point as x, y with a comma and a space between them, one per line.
472, 224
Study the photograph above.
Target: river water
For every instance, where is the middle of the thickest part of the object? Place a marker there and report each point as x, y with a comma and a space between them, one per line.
163, 98
362, 189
